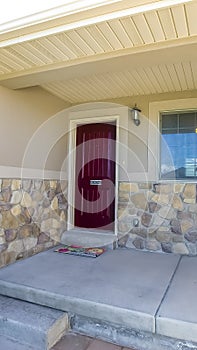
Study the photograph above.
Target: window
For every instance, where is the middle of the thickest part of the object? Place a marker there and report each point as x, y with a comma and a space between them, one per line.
179, 145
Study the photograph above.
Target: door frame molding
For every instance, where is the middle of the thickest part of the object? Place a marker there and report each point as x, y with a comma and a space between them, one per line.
72, 159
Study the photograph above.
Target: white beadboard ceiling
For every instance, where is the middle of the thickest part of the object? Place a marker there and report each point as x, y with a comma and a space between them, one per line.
147, 53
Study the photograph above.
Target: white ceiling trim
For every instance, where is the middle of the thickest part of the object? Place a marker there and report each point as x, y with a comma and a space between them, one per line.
52, 13
158, 5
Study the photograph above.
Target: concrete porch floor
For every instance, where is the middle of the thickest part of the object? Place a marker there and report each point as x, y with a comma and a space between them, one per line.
147, 292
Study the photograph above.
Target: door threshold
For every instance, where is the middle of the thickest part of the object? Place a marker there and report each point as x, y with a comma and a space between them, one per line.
92, 230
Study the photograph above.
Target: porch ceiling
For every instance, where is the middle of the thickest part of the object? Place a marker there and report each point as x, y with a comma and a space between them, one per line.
105, 53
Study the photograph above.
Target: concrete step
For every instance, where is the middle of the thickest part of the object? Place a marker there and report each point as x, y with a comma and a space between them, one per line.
11, 344
88, 238
33, 325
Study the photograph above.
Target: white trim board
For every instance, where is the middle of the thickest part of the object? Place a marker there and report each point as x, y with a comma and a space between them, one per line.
10, 172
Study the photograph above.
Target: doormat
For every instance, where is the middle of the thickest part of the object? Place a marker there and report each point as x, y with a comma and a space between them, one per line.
80, 251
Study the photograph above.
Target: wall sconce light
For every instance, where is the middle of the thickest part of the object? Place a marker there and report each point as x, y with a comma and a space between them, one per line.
135, 111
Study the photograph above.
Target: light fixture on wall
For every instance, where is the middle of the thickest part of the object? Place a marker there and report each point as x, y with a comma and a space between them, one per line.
135, 112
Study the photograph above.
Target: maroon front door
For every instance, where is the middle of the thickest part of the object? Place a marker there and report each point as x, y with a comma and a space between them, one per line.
95, 176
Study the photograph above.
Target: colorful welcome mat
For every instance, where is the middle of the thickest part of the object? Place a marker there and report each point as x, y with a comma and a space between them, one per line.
75, 250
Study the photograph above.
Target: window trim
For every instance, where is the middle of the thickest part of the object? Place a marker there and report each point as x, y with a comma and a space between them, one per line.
155, 110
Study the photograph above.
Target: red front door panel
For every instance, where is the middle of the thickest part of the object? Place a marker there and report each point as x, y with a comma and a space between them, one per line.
95, 176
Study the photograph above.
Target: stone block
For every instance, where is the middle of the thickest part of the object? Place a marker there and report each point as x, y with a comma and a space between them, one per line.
139, 243
9, 257
157, 221
178, 188
124, 196
191, 236
139, 200
124, 186
35, 229
192, 248
145, 185
166, 229
167, 212
189, 192
36, 196
38, 184
182, 215
51, 194
175, 226
16, 210
46, 203
55, 235
25, 231
16, 185
150, 195
3, 247
29, 243
151, 232
54, 203
163, 188
124, 227
139, 231
6, 194
53, 184
180, 248
189, 200
134, 187
193, 208
26, 184
62, 216
6, 183
146, 219
2, 232
9, 221
176, 238
2, 240
26, 200
49, 224
153, 207
16, 246
43, 238
10, 235
122, 240
161, 198
177, 203
163, 237
132, 210
166, 247
152, 245
186, 225
16, 197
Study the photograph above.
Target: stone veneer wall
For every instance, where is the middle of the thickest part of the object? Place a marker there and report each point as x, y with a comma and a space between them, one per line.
33, 216
167, 214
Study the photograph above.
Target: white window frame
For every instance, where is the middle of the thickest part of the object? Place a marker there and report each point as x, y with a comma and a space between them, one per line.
155, 109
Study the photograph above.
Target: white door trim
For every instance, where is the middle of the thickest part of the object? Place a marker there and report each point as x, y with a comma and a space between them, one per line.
72, 158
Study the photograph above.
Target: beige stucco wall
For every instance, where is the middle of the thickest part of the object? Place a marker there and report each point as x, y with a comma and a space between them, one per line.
143, 101
35, 124
21, 114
